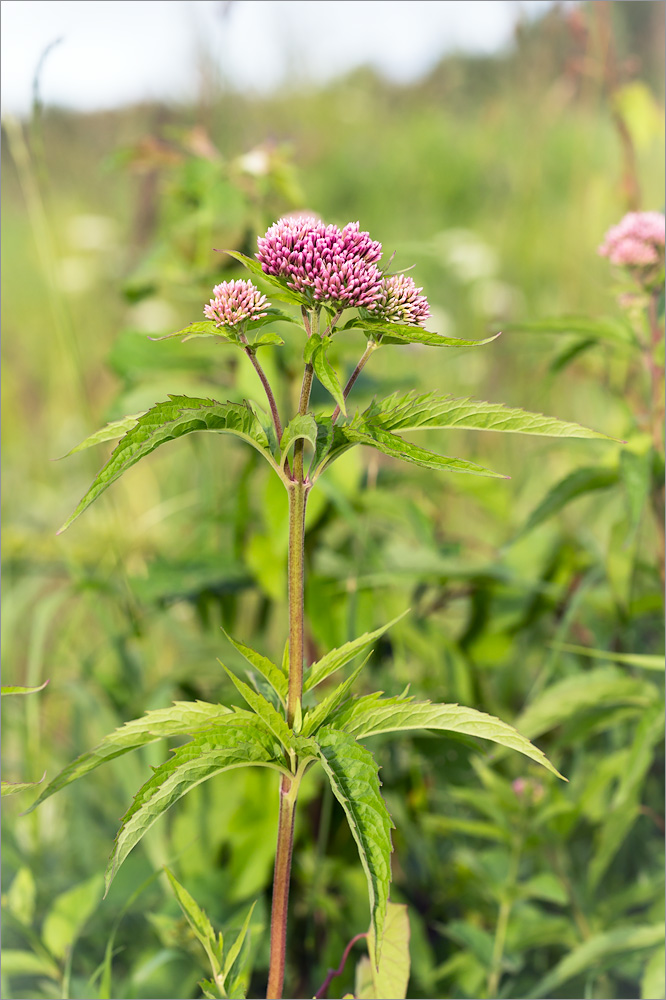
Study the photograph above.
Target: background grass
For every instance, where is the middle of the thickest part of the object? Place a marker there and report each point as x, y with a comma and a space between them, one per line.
497, 178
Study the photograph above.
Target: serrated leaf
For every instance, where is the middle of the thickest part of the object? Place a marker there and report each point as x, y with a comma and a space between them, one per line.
313, 342
303, 425
400, 333
179, 719
110, 432
595, 689
644, 661
263, 708
576, 484
327, 375
331, 443
337, 658
203, 328
11, 690
254, 267
238, 741
317, 716
202, 927
422, 411
595, 952
353, 774
608, 329
370, 715
167, 421
235, 949
273, 674
12, 787
390, 444
390, 974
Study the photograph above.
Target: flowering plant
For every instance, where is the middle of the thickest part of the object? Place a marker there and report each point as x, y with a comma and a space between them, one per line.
326, 273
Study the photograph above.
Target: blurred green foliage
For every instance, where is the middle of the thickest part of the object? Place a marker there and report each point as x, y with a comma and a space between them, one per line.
497, 178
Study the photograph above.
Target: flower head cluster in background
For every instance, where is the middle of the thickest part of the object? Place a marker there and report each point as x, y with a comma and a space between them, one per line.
637, 243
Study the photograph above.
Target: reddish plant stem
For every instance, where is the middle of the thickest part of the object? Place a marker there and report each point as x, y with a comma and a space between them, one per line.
372, 346
323, 989
267, 387
281, 879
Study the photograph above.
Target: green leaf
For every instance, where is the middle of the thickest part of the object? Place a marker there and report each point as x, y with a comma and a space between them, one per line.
642, 660
180, 719
110, 432
337, 658
390, 444
263, 708
353, 774
303, 425
315, 717
327, 375
255, 268
625, 805
399, 333
413, 411
612, 330
390, 974
69, 914
575, 485
12, 787
593, 954
595, 689
331, 443
21, 896
166, 421
273, 674
653, 982
237, 741
26, 963
208, 328
636, 475
5, 691
370, 715
202, 927
235, 949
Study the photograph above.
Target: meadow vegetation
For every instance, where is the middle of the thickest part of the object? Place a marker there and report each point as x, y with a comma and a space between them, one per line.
538, 600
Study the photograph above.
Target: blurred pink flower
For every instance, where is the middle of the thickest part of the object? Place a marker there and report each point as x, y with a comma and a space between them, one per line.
637, 241
328, 264
401, 302
234, 303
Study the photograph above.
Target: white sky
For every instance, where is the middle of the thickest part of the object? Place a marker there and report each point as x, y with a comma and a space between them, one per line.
118, 51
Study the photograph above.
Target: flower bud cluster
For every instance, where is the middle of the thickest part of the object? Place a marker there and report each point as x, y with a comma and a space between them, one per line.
235, 302
332, 265
400, 301
637, 241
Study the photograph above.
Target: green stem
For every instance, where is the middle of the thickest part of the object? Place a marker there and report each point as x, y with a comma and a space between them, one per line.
281, 879
298, 493
372, 346
503, 922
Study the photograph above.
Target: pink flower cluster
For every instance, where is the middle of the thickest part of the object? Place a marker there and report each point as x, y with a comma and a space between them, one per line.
400, 301
637, 241
235, 302
332, 265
